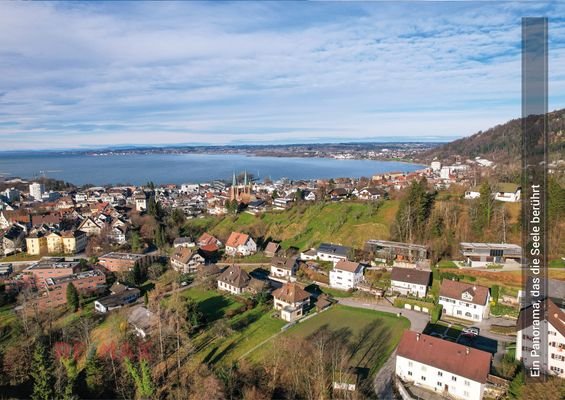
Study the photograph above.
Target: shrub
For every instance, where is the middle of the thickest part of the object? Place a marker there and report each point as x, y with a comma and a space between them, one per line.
436, 313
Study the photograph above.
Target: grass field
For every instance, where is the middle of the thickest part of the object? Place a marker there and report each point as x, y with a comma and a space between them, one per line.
211, 303
372, 335
8, 329
307, 225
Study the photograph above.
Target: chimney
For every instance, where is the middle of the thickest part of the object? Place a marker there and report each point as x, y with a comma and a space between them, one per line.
467, 350
417, 337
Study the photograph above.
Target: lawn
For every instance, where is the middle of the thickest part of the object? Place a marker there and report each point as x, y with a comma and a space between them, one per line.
20, 257
557, 263
248, 330
372, 335
211, 303
315, 289
8, 325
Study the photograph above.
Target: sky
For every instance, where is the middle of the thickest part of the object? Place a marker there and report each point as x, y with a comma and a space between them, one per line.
87, 75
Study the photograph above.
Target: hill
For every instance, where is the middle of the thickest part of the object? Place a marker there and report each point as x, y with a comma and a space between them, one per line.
307, 225
501, 144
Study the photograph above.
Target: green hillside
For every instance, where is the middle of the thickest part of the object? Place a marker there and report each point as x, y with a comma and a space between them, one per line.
307, 225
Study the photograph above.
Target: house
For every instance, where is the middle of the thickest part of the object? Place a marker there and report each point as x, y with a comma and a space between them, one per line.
554, 327
142, 320
206, 240
410, 281
449, 369
473, 193
346, 275
12, 240
54, 243
271, 249
283, 268
291, 300
186, 260
234, 280
481, 255
117, 300
370, 193
91, 226
338, 194
240, 244
140, 200
117, 234
309, 195
36, 244
332, 252
396, 251
464, 300
183, 242
282, 203
508, 192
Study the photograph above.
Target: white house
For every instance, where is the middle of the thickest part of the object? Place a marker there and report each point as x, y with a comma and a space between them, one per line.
283, 268
234, 280
291, 300
555, 328
332, 252
410, 281
472, 193
370, 194
140, 200
240, 244
346, 275
464, 300
508, 192
449, 369
310, 196
116, 300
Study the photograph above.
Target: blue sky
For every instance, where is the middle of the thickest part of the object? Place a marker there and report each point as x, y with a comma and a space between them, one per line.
76, 75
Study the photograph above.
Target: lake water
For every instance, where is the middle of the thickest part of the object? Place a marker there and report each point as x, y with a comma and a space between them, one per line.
138, 169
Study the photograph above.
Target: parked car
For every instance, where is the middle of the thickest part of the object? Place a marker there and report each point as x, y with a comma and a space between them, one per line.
472, 331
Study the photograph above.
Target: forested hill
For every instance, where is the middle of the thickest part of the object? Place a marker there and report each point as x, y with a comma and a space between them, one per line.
502, 143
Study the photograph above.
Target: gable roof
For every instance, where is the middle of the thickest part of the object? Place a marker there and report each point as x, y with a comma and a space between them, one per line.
290, 292
455, 290
411, 275
348, 266
452, 357
272, 247
235, 276
182, 255
206, 239
237, 239
555, 316
283, 262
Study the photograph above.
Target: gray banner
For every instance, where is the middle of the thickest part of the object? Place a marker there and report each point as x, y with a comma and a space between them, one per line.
533, 317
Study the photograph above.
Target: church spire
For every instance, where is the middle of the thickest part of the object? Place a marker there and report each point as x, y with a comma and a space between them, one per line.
233, 181
245, 178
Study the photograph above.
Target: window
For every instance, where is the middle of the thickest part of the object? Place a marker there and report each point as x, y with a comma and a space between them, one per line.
423, 378
410, 363
439, 373
439, 383
467, 383
466, 393
410, 373
454, 378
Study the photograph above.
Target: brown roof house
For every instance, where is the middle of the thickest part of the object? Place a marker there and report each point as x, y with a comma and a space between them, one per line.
449, 369
240, 244
410, 281
272, 249
186, 261
234, 280
464, 300
284, 269
291, 300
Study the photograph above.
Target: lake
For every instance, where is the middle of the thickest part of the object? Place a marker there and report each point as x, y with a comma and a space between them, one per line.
138, 169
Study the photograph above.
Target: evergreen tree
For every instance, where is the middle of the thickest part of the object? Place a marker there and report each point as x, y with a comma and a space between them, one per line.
137, 274
41, 374
141, 376
160, 237
135, 241
72, 297
413, 212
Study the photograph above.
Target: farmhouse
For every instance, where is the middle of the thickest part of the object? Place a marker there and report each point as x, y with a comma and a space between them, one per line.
447, 368
346, 275
240, 244
409, 281
508, 192
464, 300
555, 324
234, 280
484, 254
291, 300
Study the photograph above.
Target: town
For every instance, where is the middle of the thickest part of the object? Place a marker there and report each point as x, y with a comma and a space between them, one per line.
192, 279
